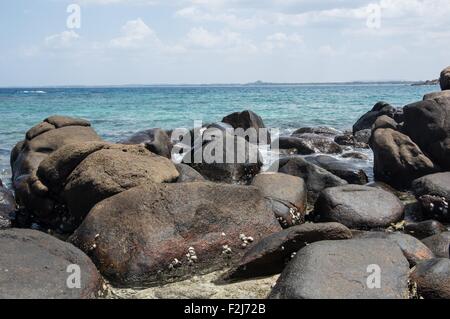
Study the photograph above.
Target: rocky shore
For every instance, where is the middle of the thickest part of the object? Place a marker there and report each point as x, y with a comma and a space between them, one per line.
314, 224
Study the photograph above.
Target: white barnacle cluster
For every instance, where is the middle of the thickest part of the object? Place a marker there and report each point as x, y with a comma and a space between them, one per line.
245, 240
191, 256
226, 250
175, 264
296, 215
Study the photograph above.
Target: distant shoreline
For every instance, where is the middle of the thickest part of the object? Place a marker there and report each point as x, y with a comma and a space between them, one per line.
252, 84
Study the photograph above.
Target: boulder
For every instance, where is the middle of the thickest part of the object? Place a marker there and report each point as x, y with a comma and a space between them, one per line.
362, 137
294, 145
270, 255
345, 269
358, 207
425, 229
434, 95
385, 121
320, 130
228, 159
433, 278
439, 244
435, 207
427, 123
35, 265
414, 250
433, 192
343, 169
397, 159
286, 194
247, 120
444, 79
348, 139
42, 140
356, 155
155, 140
315, 143
315, 177
188, 174
367, 120
70, 181
7, 206
156, 233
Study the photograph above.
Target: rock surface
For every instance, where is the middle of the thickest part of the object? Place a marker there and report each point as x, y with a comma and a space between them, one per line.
354, 206
444, 79
143, 236
155, 140
314, 143
427, 123
433, 278
270, 255
343, 169
397, 159
7, 206
286, 194
35, 265
188, 174
425, 229
367, 120
341, 270
246, 120
439, 244
315, 177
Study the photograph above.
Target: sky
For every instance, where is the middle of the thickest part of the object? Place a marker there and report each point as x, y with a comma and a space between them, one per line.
119, 42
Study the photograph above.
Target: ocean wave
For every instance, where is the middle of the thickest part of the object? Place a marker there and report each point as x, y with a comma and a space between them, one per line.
34, 92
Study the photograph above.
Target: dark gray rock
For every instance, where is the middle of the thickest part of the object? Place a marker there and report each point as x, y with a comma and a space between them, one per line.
434, 184
270, 255
425, 229
434, 95
433, 278
348, 139
315, 143
444, 79
358, 207
414, 250
7, 206
367, 120
247, 120
341, 270
385, 121
35, 265
155, 140
188, 174
439, 244
356, 155
315, 177
320, 130
427, 123
343, 169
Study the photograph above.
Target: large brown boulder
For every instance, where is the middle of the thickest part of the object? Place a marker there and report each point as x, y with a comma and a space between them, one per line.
444, 80
70, 181
358, 207
427, 123
345, 269
397, 159
35, 265
41, 141
155, 140
162, 232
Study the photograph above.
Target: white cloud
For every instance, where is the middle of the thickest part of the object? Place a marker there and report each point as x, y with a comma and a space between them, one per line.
108, 2
200, 37
282, 40
61, 40
135, 34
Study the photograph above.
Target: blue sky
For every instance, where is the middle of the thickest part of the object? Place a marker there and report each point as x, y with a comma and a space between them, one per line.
222, 41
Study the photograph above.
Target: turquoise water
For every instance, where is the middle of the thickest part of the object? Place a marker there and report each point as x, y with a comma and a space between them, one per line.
119, 112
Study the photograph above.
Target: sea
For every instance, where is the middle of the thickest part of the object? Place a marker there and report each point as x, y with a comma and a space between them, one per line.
118, 112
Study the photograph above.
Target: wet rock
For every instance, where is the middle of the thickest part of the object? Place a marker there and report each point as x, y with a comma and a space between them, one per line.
444, 79
435, 207
286, 191
439, 244
294, 145
247, 120
353, 206
149, 234
362, 137
434, 95
356, 155
385, 121
383, 186
413, 249
425, 229
367, 120
35, 265
316, 143
7, 206
341, 270
427, 123
155, 140
433, 278
320, 130
433, 192
397, 159
228, 159
343, 169
315, 177
270, 255
348, 139
188, 174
